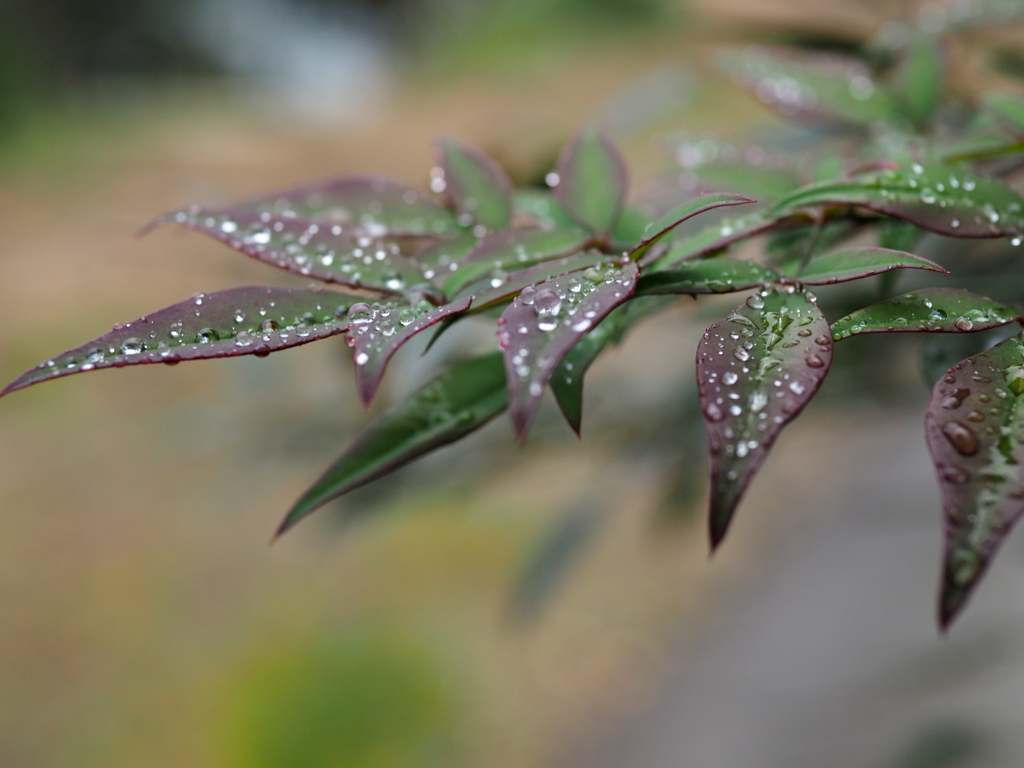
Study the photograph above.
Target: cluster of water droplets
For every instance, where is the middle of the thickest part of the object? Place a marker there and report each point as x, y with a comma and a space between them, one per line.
372, 325
935, 313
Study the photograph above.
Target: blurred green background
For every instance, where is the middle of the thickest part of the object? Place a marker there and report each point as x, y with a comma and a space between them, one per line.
427, 620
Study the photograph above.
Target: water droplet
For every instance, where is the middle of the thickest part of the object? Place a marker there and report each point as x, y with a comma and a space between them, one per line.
239, 316
527, 295
741, 354
713, 412
954, 475
206, 336
730, 377
360, 314
394, 282
961, 437
268, 325
547, 303
131, 346
964, 323
244, 339
407, 316
814, 361
797, 388
362, 358
754, 301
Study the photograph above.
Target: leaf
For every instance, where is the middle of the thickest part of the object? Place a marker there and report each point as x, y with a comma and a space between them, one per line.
512, 249
360, 205
1009, 109
714, 238
321, 251
485, 294
929, 310
377, 331
567, 380
855, 263
591, 181
541, 209
756, 370
446, 409
718, 166
721, 275
238, 321
476, 184
950, 201
657, 230
975, 432
920, 79
544, 322
810, 85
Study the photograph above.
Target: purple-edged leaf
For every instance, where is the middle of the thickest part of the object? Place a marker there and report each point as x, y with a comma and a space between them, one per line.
975, 431
377, 330
545, 321
928, 310
810, 85
239, 321
440, 259
681, 213
591, 181
361, 205
756, 370
512, 249
941, 198
855, 263
714, 238
486, 294
476, 184
444, 410
325, 252
720, 275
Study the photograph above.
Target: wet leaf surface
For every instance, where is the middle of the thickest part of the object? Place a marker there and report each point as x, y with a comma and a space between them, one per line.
712, 239
238, 321
941, 198
855, 263
378, 329
446, 409
721, 275
486, 294
325, 252
756, 370
544, 322
929, 310
975, 432
591, 181
659, 229
476, 184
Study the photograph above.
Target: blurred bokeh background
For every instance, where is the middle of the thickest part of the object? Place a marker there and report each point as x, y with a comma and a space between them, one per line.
495, 605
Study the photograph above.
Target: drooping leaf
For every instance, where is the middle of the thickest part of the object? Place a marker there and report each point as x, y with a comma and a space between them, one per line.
486, 293
591, 181
545, 321
975, 431
944, 199
513, 249
446, 409
657, 230
920, 79
322, 251
855, 263
239, 321
713, 239
1009, 109
929, 310
810, 85
722, 275
476, 184
377, 330
567, 380
756, 370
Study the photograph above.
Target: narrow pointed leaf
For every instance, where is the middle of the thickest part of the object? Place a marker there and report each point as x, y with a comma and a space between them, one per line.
756, 370
445, 410
513, 249
714, 238
948, 200
720, 275
928, 310
810, 85
975, 431
321, 251
657, 230
591, 181
545, 321
855, 263
486, 294
476, 184
920, 79
238, 321
377, 330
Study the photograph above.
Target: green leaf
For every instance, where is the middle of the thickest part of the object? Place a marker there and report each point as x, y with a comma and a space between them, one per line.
659, 229
444, 410
591, 181
920, 79
1009, 109
714, 238
238, 321
542, 209
720, 275
756, 370
718, 166
944, 199
810, 85
928, 310
855, 263
975, 431
475, 183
